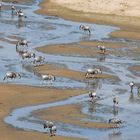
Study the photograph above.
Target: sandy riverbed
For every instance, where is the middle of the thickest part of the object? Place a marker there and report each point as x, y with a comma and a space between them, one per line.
71, 114
13, 96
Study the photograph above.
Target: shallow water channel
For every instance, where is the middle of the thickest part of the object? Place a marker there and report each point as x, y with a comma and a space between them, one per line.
46, 30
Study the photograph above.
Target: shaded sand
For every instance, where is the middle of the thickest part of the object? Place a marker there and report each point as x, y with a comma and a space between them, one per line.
86, 48
70, 114
64, 72
15, 96
116, 12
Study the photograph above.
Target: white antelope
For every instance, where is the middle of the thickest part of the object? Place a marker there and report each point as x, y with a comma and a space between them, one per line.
11, 75
102, 48
38, 60
20, 14
115, 121
131, 84
27, 55
22, 43
48, 77
85, 28
53, 130
91, 72
93, 96
13, 9
48, 124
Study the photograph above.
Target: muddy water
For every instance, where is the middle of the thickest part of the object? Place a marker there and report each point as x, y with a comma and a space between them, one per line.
44, 30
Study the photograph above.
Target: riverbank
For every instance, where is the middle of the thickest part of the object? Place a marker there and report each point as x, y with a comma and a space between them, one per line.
16, 96
118, 13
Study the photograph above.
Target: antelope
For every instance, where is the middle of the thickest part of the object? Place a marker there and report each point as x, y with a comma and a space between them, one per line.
11, 75
48, 77
115, 121
91, 72
131, 84
38, 59
48, 124
13, 8
27, 55
22, 43
102, 48
85, 28
20, 14
53, 131
93, 96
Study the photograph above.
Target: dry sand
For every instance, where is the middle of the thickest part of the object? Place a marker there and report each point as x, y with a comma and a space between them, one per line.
14, 96
117, 12
116, 7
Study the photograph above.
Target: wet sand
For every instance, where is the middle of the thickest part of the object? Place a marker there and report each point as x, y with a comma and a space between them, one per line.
70, 114
64, 72
14, 96
85, 48
127, 34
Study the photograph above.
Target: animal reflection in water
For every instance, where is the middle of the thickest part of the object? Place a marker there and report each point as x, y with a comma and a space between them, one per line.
51, 127
115, 110
115, 135
20, 24
134, 98
117, 122
92, 108
11, 75
85, 37
101, 58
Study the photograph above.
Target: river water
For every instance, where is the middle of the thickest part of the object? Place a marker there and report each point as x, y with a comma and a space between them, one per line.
47, 30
